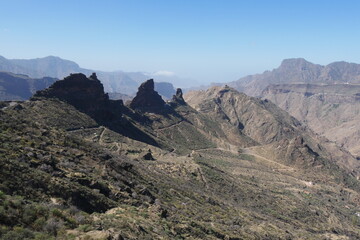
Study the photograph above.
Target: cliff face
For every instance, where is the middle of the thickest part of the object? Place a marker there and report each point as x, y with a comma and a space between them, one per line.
329, 110
86, 94
77, 90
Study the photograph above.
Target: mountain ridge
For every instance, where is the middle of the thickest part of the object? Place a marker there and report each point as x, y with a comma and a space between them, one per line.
21, 87
56, 67
217, 165
298, 70
331, 110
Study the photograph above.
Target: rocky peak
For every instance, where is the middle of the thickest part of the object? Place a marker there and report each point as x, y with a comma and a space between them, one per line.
295, 64
76, 87
178, 97
147, 98
94, 77
86, 94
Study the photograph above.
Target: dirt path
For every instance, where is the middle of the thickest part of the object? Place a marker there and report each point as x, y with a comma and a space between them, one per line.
101, 136
249, 151
170, 126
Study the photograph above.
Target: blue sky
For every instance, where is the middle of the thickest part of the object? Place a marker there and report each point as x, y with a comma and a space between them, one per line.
208, 41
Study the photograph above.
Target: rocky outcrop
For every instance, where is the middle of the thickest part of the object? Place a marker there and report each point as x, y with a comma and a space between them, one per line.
86, 94
147, 99
178, 97
76, 89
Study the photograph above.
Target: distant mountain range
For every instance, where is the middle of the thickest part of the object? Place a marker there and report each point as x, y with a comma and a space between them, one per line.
326, 98
298, 70
21, 87
55, 67
216, 164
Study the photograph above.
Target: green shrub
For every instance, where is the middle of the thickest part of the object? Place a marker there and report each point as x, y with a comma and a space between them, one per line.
57, 213
53, 226
85, 228
3, 230
2, 195
39, 223
43, 236
18, 233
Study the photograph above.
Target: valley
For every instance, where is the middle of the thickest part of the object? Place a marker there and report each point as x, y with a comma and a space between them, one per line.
214, 164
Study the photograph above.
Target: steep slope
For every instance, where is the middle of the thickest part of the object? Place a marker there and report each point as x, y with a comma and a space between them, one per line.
299, 70
236, 168
265, 123
21, 87
330, 110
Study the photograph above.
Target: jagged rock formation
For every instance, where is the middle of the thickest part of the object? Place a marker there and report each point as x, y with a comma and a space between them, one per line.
77, 89
330, 110
86, 94
147, 99
21, 87
178, 97
299, 70
237, 162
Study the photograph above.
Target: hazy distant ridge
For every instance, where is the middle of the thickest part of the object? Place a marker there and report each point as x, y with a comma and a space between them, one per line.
298, 70
55, 67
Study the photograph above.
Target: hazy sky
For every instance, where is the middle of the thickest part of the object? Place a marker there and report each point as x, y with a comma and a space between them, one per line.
219, 40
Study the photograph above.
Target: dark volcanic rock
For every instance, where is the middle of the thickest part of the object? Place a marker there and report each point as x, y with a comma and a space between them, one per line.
147, 98
178, 97
148, 156
76, 89
86, 94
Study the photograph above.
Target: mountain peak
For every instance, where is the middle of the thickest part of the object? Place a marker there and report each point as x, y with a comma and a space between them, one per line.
52, 57
147, 98
178, 97
94, 77
294, 62
78, 90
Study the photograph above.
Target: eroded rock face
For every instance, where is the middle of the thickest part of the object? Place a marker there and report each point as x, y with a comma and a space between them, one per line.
147, 98
76, 89
86, 94
330, 110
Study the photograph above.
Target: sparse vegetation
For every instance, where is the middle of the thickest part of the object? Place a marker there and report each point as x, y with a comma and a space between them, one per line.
73, 178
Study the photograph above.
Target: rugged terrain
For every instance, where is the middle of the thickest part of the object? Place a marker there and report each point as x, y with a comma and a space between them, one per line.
332, 110
298, 70
215, 165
